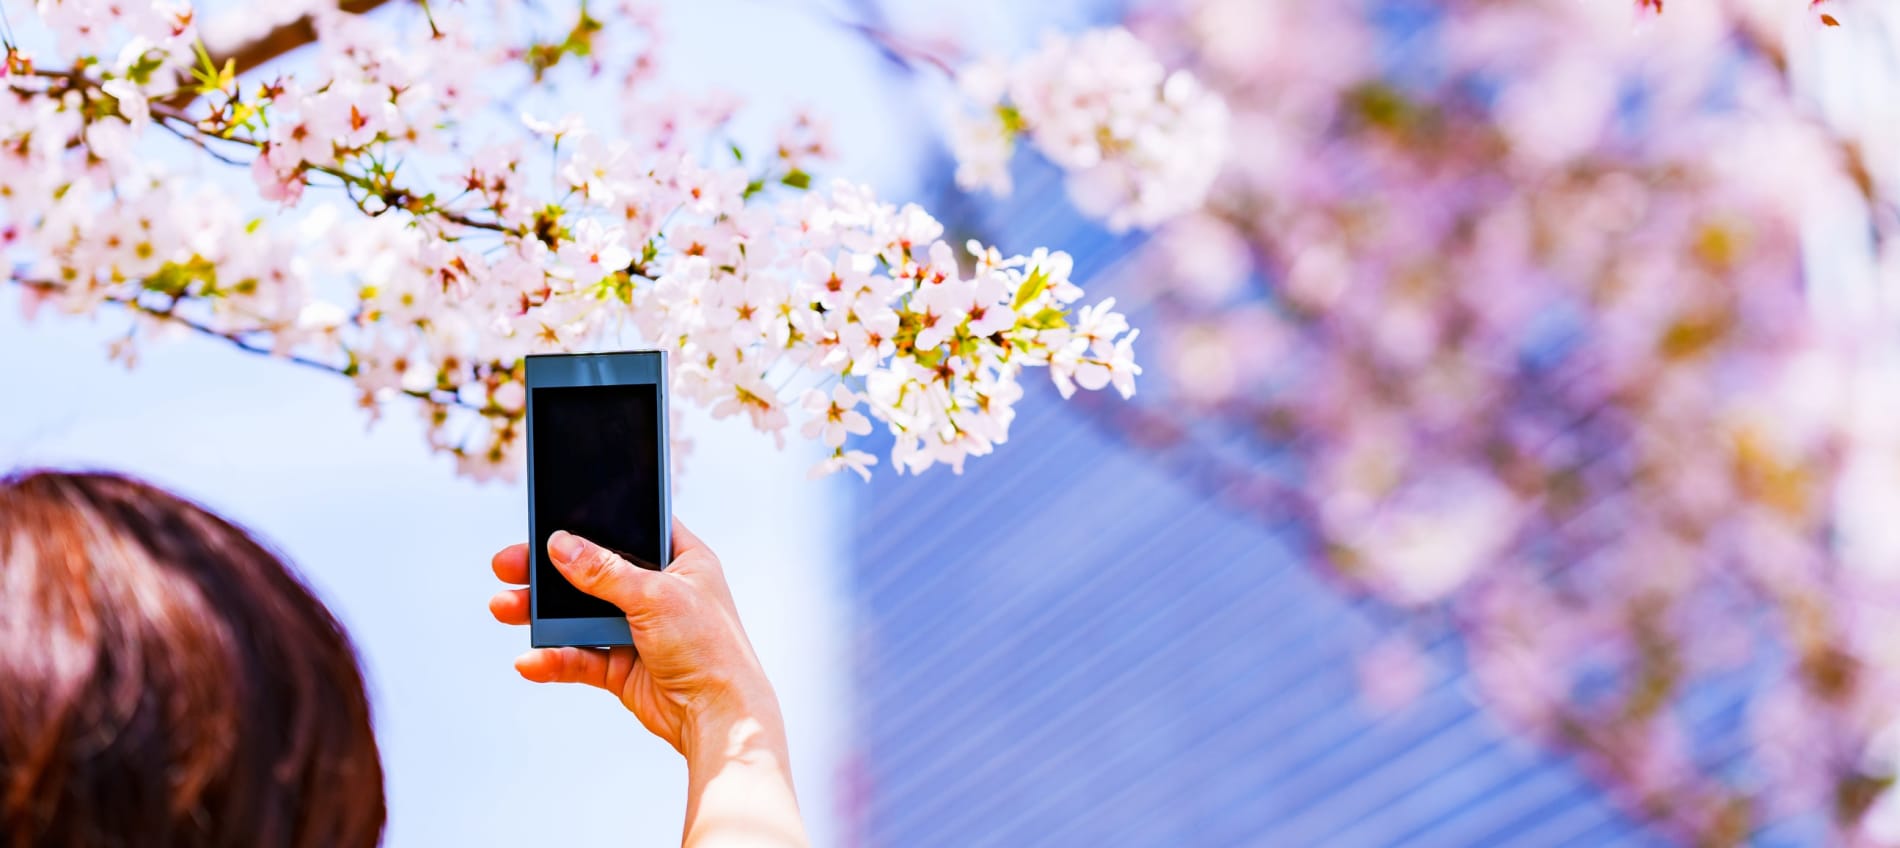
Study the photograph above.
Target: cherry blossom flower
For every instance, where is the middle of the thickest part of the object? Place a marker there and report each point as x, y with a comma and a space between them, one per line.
834, 416
855, 461
1141, 144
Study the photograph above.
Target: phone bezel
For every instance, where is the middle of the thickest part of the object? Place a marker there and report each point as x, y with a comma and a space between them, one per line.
620, 368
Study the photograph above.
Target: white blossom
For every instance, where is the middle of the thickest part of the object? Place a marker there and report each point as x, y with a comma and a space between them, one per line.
562, 236
1141, 145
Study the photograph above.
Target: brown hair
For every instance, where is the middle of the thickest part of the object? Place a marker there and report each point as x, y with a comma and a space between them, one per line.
166, 680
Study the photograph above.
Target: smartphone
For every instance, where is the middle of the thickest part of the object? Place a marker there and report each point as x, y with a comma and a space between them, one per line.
597, 468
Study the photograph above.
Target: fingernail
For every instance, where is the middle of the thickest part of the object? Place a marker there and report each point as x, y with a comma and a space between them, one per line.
564, 546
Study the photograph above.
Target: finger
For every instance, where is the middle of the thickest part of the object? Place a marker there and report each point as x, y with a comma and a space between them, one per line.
698, 564
510, 606
564, 665
511, 564
684, 540
690, 554
601, 572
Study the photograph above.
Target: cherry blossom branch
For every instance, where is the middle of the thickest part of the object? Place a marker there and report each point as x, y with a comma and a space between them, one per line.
279, 40
236, 339
390, 195
173, 119
169, 123
903, 52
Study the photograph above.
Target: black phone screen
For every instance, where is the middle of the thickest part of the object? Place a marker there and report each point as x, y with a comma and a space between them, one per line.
596, 474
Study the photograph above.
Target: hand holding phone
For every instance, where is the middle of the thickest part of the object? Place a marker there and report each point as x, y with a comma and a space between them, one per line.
695, 665
696, 682
601, 531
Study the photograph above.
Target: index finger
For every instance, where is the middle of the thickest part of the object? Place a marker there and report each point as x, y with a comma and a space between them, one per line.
684, 540
511, 564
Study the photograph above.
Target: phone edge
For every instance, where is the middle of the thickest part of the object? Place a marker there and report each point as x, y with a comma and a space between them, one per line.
590, 626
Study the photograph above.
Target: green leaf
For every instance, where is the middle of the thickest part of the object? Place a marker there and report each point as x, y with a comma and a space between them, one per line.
752, 188
541, 57
580, 40
176, 279
141, 70
797, 179
241, 115
206, 70
1011, 118
622, 286
737, 154
1031, 288
1049, 318
166, 280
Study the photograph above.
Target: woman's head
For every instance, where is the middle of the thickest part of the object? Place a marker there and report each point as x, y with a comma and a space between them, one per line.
166, 680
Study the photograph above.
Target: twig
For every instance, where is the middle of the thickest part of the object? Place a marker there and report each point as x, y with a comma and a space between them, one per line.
873, 24
202, 144
6, 28
268, 46
238, 341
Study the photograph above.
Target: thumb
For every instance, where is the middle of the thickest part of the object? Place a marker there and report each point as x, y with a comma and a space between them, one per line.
601, 572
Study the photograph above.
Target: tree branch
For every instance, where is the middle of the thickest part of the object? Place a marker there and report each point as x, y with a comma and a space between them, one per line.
270, 45
902, 53
199, 134
237, 340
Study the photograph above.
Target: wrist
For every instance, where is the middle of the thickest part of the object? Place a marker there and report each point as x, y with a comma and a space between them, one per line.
739, 776
742, 724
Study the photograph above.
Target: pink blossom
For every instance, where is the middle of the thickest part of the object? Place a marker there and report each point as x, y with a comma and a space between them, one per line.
284, 186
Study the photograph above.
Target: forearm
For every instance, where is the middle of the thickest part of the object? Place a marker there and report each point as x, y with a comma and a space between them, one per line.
740, 783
